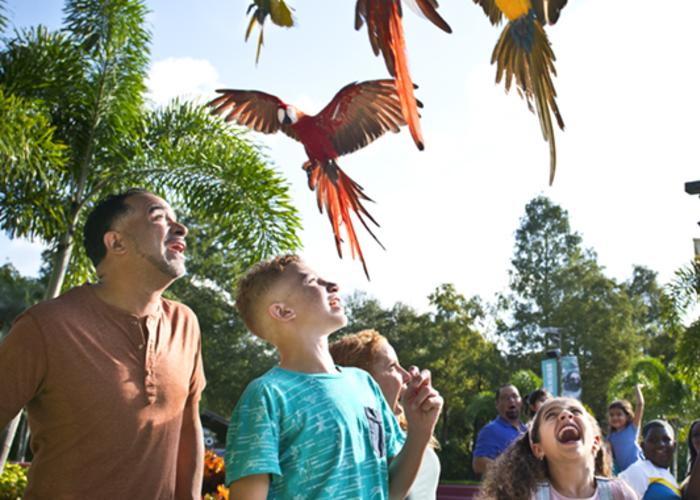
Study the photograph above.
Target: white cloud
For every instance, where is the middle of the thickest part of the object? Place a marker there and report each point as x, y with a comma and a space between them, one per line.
183, 77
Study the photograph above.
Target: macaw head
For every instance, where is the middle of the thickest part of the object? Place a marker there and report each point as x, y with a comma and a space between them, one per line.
287, 115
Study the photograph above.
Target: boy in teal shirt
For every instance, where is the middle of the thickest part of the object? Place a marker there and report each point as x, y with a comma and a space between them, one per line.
309, 429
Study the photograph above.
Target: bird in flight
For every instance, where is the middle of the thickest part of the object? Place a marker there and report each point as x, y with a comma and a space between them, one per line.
357, 115
523, 52
385, 31
279, 13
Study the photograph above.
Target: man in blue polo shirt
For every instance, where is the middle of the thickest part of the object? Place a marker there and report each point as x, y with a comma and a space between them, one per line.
495, 436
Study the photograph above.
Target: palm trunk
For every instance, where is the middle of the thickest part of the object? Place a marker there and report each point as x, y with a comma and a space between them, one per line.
8, 436
60, 263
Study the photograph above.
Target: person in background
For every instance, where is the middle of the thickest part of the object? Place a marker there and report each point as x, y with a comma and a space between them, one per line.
650, 477
495, 436
111, 373
534, 400
373, 353
624, 430
693, 448
560, 458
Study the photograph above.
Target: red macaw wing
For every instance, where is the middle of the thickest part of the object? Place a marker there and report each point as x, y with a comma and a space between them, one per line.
340, 196
429, 9
548, 11
251, 108
359, 113
491, 10
385, 31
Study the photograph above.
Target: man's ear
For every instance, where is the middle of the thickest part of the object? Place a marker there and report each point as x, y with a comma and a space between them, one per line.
596, 444
114, 243
280, 312
537, 450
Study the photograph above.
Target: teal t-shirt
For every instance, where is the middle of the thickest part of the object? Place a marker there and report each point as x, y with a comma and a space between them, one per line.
319, 435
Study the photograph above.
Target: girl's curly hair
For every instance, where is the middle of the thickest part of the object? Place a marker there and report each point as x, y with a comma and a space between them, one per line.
517, 472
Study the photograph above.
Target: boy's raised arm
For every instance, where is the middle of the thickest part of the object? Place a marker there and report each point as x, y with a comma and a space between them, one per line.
253, 487
422, 405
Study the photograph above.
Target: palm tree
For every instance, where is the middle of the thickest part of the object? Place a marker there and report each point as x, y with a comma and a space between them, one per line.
74, 127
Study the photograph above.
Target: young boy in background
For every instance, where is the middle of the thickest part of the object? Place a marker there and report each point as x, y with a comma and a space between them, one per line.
309, 429
650, 477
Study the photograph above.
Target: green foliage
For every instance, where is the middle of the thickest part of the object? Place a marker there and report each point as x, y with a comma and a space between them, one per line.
665, 394
685, 287
688, 358
555, 282
31, 161
232, 356
85, 88
13, 482
3, 19
16, 294
526, 381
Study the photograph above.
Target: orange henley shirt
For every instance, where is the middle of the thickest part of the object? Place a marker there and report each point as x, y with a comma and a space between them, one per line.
105, 393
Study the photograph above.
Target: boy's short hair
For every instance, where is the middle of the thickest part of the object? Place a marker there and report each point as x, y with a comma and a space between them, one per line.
255, 283
658, 424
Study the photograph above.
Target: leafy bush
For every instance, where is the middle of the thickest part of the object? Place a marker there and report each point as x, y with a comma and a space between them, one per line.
13, 481
214, 477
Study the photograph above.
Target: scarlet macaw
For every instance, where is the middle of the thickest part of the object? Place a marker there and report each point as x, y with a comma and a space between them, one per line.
524, 52
358, 114
385, 30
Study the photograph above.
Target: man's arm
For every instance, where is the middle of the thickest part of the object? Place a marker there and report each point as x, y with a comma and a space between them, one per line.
485, 450
22, 367
253, 487
422, 406
480, 464
190, 455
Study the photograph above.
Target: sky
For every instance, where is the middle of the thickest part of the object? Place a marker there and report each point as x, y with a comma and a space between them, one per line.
627, 89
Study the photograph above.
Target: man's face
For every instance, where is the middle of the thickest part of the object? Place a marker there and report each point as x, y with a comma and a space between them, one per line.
658, 447
509, 403
152, 233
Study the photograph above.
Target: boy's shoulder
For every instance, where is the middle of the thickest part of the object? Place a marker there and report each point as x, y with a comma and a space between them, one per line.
285, 382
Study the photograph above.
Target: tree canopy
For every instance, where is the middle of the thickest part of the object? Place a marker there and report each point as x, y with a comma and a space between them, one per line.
78, 128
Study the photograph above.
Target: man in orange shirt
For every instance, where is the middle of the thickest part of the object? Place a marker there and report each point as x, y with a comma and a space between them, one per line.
111, 373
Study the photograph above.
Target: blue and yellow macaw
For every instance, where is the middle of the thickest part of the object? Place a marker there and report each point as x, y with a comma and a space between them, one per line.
524, 52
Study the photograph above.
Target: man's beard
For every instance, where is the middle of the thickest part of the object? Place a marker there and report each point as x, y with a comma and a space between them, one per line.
171, 269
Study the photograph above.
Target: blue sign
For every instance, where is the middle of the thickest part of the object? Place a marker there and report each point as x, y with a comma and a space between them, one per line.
549, 376
570, 377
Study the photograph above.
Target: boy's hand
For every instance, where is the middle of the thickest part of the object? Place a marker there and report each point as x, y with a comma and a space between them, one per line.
421, 403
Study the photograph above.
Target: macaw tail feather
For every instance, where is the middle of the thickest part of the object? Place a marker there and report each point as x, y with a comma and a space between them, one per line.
404, 85
341, 196
385, 31
429, 9
523, 52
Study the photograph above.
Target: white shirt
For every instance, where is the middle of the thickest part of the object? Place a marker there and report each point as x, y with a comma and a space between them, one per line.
641, 474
